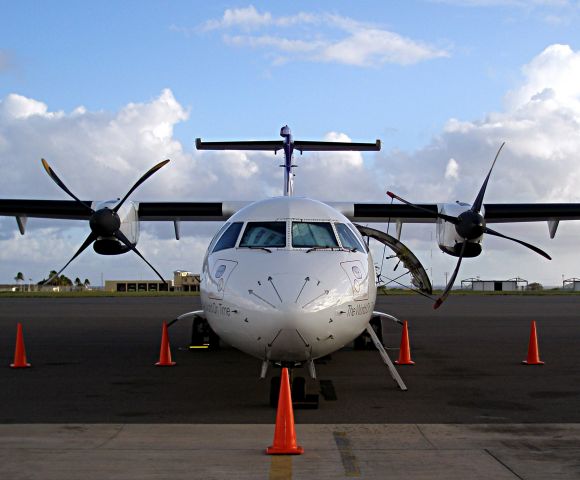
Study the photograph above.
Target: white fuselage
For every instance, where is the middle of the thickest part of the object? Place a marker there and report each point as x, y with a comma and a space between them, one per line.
274, 294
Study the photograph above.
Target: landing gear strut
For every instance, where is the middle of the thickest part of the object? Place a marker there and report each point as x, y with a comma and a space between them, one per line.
202, 336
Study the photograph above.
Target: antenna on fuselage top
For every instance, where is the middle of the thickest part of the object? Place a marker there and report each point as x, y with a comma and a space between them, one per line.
288, 145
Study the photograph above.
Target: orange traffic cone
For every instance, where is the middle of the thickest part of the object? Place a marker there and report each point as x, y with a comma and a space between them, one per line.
165, 353
284, 434
20, 351
533, 350
405, 350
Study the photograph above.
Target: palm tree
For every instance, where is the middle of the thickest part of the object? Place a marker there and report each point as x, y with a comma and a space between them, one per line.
50, 275
86, 283
78, 283
19, 277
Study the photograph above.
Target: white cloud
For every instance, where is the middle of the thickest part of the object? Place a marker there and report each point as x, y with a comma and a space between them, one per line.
541, 126
322, 37
452, 170
18, 107
247, 18
551, 81
100, 154
368, 47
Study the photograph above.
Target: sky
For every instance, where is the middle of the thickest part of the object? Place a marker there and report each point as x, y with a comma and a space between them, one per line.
106, 90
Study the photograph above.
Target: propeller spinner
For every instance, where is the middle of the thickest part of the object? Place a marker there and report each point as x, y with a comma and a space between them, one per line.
104, 222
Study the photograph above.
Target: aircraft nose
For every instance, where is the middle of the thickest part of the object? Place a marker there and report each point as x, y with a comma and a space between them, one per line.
294, 294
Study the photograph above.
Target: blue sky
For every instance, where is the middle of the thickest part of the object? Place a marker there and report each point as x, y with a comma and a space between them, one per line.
398, 71
107, 54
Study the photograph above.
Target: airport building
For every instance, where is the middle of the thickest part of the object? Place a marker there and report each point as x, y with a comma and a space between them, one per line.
183, 281
130, 286
511, 285
571, 284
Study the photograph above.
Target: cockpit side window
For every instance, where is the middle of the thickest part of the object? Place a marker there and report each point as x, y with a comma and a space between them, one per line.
348, 238
229, 237
217, 236
264, 235
313, 235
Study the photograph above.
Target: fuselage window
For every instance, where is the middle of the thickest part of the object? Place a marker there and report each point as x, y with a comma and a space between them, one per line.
229, 237
264, 235
313, 235
348, 238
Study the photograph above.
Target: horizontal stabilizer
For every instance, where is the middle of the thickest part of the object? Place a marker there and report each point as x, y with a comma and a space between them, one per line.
306, 146
272, 146
301, 145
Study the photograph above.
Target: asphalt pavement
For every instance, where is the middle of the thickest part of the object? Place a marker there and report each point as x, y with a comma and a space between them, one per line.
93, 363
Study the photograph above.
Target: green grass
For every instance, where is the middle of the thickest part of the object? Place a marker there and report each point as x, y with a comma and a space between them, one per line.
548, 291
94, 293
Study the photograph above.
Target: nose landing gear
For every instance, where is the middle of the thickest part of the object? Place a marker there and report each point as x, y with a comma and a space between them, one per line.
300, 399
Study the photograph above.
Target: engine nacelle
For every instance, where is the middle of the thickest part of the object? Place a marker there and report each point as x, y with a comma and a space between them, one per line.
448, 239
128, 214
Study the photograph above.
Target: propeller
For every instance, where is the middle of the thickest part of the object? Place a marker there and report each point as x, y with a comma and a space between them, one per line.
104, 222
469, 225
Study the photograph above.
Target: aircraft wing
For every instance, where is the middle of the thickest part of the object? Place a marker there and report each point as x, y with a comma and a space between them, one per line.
65, 209
360, 212
494, 212
148, 211
188, 211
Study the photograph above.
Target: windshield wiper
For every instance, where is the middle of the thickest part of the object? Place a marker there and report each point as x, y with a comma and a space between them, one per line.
253, 247
330, 249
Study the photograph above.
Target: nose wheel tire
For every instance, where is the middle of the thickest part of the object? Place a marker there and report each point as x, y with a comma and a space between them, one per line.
274, 391
298, 389
300, 399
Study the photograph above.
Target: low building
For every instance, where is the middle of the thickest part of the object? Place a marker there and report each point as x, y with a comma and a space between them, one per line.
184, 281
137, 286
511, 285
571, 284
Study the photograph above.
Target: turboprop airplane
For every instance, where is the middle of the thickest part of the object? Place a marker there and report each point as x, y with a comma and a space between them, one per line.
291, 279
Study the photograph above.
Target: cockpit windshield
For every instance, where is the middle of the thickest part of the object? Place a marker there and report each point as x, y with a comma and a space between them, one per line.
313, 235
264, 235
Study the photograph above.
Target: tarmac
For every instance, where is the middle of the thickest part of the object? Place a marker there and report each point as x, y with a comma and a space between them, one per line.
94, 406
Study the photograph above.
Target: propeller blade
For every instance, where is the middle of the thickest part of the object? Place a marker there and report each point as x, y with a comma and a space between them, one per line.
140, 181
476, 207
59, 182
121, 236
90, 239
449, 286
525, 244
434, 215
